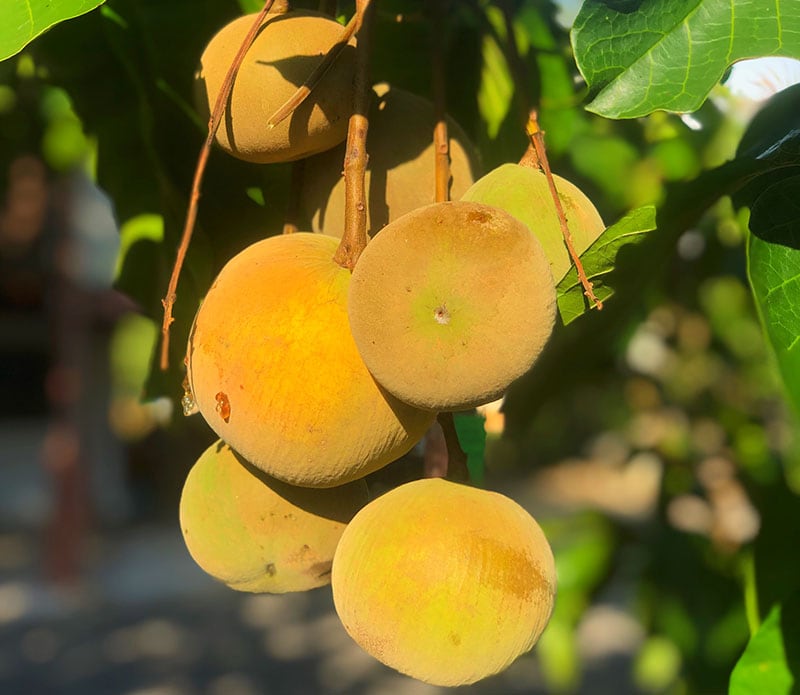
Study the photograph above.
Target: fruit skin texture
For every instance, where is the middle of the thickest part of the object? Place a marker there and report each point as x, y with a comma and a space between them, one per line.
274, 371
255, 533
450, 303
524, 192
444, 582
284, 53
400, 171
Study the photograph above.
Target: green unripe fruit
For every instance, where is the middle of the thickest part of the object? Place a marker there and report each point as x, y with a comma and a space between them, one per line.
524, 192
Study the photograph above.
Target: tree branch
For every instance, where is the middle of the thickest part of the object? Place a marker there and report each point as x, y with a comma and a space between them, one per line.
191, 215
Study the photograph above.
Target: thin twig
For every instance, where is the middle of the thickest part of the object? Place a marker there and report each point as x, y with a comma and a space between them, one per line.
293, 102
537, 140
441, 141
354, 237
213, 123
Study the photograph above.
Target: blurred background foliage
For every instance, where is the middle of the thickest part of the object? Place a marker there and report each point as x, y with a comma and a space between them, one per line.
653, 440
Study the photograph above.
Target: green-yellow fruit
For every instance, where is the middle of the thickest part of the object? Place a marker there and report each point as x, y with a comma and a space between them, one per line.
285, 52
524, 192
400, 170
273, 368
450, 303
255, 533
444, 582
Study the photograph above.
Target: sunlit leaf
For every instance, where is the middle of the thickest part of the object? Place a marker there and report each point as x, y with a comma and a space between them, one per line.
599, 260
24, 20
496, 89
771, 659
642, 55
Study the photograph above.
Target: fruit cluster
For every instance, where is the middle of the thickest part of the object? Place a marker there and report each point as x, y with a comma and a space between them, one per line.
313, 376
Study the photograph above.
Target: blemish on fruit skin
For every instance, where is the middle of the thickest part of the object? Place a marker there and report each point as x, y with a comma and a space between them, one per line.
270, 569
476, 216
223, 406
441, 315
455, 639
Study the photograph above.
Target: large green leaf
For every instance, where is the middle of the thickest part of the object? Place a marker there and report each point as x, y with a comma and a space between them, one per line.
771, 661
599, 260
774, 268
639, 56
21, 21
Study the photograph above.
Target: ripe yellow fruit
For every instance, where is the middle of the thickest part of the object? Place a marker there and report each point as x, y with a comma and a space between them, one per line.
255, 533
444, 582
450, 303
285, 52
524, 192
273, 368
400, 171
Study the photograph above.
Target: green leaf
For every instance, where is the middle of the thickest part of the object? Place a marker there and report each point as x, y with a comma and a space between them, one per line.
24, 20
638, 56
772, 656
600, 259
774, 270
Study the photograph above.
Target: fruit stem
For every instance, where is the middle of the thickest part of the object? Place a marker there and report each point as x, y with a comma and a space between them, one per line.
456, 457
168, 302
293, 203
441, 141
354, 237
293, 102
537, 141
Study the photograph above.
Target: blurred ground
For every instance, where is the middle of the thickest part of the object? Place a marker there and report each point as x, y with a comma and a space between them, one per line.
143, 619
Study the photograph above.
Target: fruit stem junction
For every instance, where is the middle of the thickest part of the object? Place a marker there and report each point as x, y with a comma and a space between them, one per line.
456, 456
536, 136
354, 237
191, 214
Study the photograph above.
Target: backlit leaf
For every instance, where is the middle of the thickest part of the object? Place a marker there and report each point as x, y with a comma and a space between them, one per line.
638, 56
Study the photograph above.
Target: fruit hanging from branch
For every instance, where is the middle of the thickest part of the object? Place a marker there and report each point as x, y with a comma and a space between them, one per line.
273, 368
287, 49
400, 172
444, 582
256, 533
451, 303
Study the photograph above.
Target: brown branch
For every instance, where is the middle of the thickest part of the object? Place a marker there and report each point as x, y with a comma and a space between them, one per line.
537, 140
293, 102
441, 141
354, 237
191, 215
